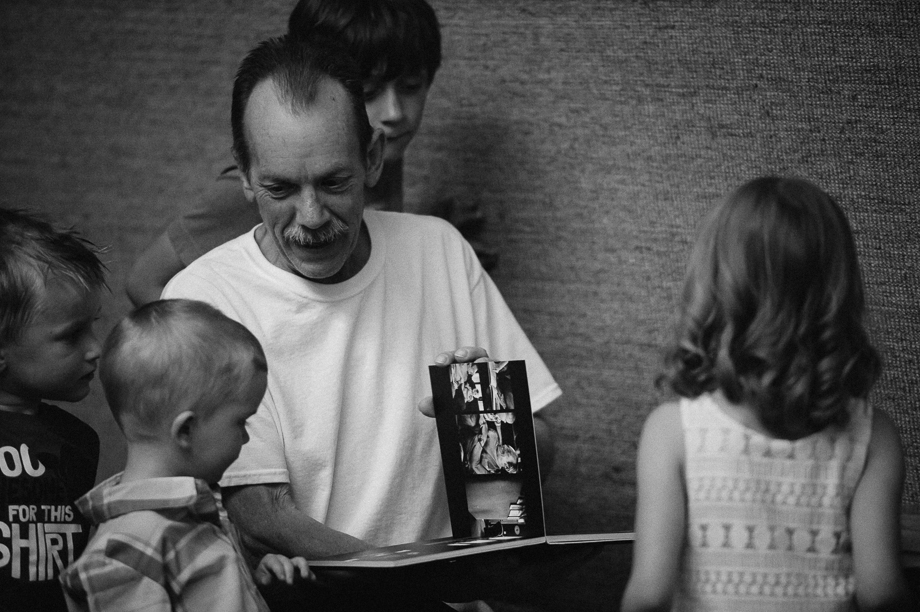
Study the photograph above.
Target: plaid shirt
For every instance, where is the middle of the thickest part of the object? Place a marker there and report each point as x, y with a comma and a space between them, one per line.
161, 545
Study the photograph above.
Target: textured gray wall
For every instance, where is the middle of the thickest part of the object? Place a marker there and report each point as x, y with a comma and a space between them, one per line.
594, 134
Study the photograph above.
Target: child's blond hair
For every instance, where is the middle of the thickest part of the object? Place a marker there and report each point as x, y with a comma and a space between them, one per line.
174, 355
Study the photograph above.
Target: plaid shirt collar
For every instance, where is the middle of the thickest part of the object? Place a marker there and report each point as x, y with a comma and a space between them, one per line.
111, 498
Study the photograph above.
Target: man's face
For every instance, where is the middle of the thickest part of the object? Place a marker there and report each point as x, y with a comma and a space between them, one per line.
396, 107
307, 176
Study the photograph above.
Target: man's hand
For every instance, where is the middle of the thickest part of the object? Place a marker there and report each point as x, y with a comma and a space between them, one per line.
463, 354
280, 568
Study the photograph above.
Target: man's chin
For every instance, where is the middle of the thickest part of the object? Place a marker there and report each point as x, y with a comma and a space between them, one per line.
318, 269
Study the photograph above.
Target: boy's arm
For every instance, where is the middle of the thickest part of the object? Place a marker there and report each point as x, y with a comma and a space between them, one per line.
660, 513
271, 522
875, 522
152, 270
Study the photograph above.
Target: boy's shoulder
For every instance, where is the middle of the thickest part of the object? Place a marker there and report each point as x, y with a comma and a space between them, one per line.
66, 422
52, 423
151, 519
148, 554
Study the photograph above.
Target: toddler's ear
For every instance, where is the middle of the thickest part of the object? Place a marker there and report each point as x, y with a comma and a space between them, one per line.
181, 429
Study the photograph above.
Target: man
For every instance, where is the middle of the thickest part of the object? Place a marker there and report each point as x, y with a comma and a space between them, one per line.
350, 305
397, 45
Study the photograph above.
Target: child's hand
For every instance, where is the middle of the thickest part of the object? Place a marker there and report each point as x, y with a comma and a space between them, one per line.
278, 567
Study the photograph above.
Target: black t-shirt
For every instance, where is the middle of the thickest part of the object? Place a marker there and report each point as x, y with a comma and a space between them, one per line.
47, 461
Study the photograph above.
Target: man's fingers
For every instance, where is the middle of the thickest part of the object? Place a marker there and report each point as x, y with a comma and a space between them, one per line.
426, 406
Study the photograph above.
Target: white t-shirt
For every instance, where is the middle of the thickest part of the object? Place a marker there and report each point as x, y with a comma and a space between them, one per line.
347, 365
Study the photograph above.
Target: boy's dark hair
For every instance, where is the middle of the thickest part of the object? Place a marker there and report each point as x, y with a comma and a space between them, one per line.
296, 68
387, 38
772, 309
32, 251
174, 355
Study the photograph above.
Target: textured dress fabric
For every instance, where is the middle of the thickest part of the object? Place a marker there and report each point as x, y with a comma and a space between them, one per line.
768, 518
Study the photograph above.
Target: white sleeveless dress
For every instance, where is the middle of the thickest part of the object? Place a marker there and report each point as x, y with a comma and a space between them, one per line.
768, 519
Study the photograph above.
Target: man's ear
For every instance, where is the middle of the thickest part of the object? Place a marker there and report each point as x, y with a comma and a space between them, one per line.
373, 159
181, 429
247, 186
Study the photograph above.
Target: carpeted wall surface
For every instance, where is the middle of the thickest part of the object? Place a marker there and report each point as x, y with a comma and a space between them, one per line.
593, 134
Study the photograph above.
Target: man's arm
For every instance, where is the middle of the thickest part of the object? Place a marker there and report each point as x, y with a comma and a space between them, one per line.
271, 522
152, 270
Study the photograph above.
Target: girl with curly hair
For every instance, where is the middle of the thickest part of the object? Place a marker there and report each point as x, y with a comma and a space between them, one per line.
772, 483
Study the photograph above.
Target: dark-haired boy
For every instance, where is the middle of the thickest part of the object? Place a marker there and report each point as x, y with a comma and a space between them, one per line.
50, 286
181, 379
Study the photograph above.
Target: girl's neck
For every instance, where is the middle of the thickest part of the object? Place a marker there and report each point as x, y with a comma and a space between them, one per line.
742, 413
387, 194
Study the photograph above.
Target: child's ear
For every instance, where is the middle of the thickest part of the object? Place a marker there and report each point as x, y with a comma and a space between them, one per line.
181, 429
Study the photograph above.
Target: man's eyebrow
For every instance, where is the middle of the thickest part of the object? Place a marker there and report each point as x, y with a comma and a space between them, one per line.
342, 169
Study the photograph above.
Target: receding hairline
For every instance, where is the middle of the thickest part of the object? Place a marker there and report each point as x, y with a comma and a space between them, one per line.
300, 104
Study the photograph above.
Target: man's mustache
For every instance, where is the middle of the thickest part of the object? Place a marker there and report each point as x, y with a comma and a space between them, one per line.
304, 236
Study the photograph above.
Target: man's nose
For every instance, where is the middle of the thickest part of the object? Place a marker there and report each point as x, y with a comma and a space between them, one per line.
310, 211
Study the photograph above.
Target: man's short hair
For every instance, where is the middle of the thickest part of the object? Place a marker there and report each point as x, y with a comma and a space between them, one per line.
175, 355
296, 68
32, 251
387, 38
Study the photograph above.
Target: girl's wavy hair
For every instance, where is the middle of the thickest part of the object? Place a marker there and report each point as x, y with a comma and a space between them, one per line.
772, 309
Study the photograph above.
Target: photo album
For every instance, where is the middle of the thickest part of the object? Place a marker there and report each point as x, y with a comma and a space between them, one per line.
491, 470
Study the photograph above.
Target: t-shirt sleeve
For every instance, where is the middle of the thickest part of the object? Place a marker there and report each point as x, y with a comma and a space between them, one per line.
505, 339
220, 215
261, 460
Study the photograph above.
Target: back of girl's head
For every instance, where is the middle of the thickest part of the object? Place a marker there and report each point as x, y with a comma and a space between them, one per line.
175, 355
387, 38
32, 251
772, 310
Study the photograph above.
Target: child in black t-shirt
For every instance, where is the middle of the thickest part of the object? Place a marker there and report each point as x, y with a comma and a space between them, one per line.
50, 290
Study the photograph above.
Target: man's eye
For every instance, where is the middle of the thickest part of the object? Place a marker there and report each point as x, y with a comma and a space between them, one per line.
279, 191
371, 92
337, 185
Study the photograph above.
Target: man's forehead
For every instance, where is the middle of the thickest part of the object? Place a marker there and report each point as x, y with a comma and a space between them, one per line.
274, 124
